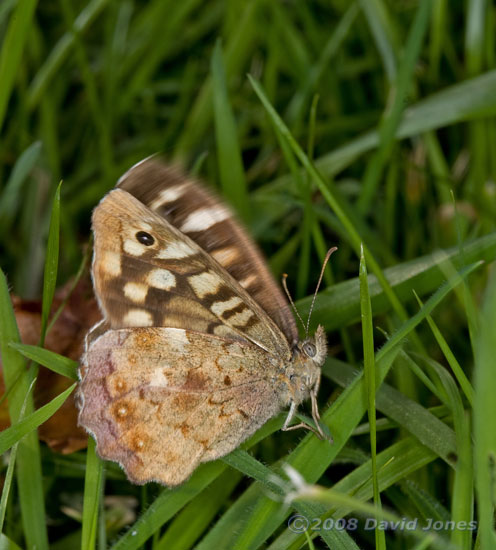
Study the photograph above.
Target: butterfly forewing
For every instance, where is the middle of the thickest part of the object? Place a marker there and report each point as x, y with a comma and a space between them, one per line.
197, 213
148, 273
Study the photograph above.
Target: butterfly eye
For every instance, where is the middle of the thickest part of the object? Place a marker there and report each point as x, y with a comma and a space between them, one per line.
309, 349
145, 238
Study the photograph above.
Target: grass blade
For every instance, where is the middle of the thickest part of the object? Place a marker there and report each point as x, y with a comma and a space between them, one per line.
421, 423
12, 48
29, 423
370, 377
53, 361
11, 193
17, 382
232, 176
166, 505
468, 100
51, 263
450, 357
61, 51
339, 305
192, 521
485, 418
93, 485
382, 28
331, 199
392, 115
10, 469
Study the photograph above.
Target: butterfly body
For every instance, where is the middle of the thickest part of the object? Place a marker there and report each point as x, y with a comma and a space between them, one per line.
189, 360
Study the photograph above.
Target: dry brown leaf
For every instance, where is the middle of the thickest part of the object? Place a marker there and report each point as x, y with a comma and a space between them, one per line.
66, 337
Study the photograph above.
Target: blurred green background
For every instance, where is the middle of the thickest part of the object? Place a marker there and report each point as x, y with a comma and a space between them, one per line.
392, 102
90, 88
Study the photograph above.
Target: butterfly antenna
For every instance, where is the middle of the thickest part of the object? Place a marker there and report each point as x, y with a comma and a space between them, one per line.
285, 286
326, 259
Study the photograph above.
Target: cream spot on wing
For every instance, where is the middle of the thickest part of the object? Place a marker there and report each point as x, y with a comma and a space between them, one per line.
223, 331
158, 379
169, 195
179, 339
220, 307
140, 443
176, 251
205, 283
134, 248
136, 292
248, 281
161, 278
122, 411
234, 350
111, 263
227, 255
137, 318
240, 319
204, 218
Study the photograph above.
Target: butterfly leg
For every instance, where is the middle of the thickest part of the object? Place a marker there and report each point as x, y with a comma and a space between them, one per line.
286, 427
315, 406
291, 413
316, 415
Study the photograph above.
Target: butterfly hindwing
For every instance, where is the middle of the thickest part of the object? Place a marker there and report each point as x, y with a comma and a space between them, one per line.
148, 387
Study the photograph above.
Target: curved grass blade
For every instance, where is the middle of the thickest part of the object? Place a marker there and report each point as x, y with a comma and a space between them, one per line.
53, 361
330, 197
12, 47
419, 421
468, 100
199, 514
384, 32
29, 423
167, 505
461, 377
10, 468
11, 193
60, 52
339, 305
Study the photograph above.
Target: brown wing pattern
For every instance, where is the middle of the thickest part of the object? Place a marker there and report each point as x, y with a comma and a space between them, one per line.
188, 205
148, 273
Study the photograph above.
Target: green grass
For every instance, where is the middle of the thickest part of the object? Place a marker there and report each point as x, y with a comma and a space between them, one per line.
367, 125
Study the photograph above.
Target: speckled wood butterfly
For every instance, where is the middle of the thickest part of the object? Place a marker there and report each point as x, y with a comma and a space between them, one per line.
197, 347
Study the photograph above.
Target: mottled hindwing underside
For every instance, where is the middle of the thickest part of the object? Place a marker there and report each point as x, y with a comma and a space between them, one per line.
189, 206
161, 400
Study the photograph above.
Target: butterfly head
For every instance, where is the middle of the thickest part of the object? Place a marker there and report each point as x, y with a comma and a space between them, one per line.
303, 373
314, 348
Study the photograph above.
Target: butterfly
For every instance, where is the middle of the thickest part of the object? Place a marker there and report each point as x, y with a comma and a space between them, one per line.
197, 347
